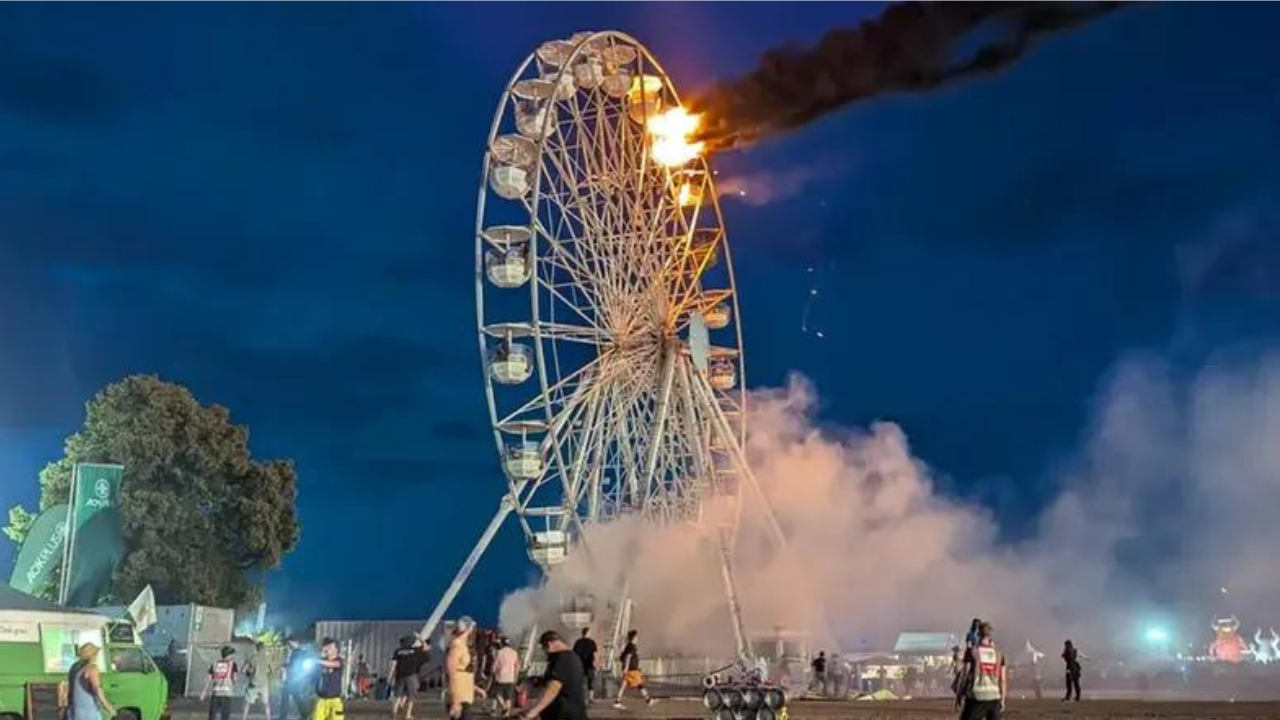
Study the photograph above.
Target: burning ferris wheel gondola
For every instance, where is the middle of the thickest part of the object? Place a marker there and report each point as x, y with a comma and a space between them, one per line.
607, 311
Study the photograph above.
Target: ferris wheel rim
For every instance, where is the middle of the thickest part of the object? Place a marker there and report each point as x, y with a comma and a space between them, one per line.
536, 314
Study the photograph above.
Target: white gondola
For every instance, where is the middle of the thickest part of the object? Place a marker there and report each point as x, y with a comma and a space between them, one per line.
530, 119
549, 547
532, 106
718, 317
512, 157
509, 181
508, 268
523, 460
554, 53
616, 56
510, 363
506, 235
577, 612
565, 85
514, 150
588, 71
616, 83
722, 375
644, 98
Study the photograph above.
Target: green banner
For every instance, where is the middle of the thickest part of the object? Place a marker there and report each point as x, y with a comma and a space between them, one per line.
96, 542
35, 568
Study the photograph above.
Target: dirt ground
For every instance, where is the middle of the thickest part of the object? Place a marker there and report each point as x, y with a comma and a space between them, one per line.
866, 710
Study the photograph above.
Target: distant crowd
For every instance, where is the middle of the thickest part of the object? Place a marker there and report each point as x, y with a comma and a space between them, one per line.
481, 672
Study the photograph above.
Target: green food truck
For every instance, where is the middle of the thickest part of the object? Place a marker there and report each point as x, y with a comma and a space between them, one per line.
38, 642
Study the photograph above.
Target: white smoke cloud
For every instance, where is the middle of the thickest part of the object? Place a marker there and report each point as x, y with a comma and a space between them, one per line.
1170, 500
764, 187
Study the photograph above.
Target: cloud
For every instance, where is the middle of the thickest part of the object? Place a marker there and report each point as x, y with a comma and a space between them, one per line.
1169, 500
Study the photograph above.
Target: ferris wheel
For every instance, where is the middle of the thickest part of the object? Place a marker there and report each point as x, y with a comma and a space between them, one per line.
607, 312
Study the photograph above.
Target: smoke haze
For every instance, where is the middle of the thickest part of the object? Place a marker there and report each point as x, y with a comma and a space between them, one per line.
910, 47
1168, 503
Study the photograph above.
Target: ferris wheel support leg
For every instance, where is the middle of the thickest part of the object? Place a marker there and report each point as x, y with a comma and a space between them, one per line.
739, 458
731, 590
504, 509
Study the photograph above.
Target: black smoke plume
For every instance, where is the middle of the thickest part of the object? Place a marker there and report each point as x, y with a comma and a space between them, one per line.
910, 47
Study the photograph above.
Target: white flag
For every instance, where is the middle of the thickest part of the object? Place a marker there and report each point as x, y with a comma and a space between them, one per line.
1035, 654
143, 609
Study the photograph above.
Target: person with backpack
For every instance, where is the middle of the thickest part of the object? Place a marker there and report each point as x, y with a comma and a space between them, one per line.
987, 683
220, 686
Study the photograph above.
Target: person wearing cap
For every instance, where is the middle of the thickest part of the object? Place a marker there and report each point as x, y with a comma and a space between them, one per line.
406, 663
85, 700
220, 685
987, 683
564, 683
460, 672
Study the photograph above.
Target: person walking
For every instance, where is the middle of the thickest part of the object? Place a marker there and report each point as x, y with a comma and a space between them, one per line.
988, 678
585, 648
971, 638
293, 687
506, 670
1071, 658
220, 685
459, 667
632, 677
329, 683
958, 679
563, 684
257, 675
364, 679
85, 700
406, 661
819, 678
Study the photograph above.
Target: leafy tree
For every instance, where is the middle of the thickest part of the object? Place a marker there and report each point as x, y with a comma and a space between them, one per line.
19, 523
202, 519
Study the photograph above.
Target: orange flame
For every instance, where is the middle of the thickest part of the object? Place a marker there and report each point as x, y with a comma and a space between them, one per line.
671, 132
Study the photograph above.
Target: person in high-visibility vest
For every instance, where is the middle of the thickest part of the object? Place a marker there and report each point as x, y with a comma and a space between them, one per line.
987, 683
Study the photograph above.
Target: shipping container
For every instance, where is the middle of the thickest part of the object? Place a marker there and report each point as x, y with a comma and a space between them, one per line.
179, 626
376, 640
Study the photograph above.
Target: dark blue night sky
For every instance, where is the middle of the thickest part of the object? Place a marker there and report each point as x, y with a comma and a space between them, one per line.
274, 205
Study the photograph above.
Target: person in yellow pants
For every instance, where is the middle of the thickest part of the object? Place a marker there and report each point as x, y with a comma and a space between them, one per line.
329, 686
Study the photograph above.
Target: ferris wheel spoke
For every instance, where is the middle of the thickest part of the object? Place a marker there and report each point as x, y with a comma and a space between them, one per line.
554, 393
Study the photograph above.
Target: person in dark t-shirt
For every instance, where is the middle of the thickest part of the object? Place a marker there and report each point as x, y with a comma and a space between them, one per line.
585, 648
819, 679
406, 661
328, 705
632, 676
564, 684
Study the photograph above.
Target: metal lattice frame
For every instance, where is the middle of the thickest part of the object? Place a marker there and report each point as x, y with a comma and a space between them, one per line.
635, 406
